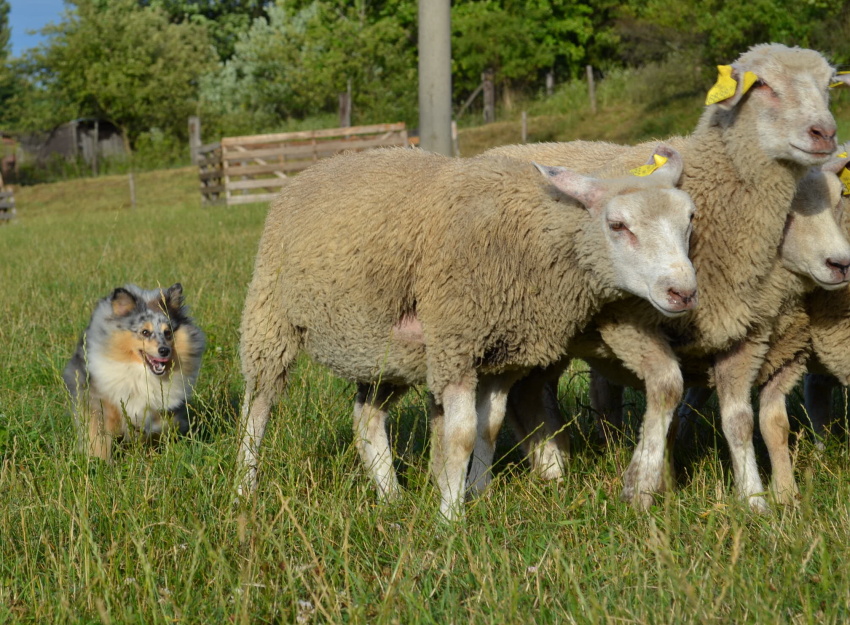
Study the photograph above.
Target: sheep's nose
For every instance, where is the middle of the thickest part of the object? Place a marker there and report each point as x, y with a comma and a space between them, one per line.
839, 267
682, 299
823, 138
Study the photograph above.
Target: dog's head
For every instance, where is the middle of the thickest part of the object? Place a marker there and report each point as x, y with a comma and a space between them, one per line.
149, 324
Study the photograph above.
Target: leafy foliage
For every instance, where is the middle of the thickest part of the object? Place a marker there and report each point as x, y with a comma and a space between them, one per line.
116, 61
250, 66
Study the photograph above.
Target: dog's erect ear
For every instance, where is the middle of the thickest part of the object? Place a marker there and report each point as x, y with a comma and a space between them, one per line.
173, 298
123, 302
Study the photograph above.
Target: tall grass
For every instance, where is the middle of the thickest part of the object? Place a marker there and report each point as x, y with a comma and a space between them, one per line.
157, 537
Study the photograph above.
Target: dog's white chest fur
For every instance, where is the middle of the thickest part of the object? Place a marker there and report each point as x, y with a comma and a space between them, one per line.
140, 394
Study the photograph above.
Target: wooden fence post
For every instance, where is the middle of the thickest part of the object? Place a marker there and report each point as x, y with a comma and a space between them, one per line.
194, 137
524, 132
489, 97
94, 147
550, 83
591, 89
345, 107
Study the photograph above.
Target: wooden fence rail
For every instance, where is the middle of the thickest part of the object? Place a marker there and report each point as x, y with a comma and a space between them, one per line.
240, 170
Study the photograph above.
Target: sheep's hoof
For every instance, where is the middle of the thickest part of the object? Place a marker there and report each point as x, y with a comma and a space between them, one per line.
389, 495
642, 501
758, 504
787, 496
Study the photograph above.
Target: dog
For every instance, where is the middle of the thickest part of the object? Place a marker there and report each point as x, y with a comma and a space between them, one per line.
134, 368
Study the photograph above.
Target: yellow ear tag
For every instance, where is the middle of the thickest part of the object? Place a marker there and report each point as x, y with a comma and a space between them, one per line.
645, 170
839, 84
726, 85
844, 176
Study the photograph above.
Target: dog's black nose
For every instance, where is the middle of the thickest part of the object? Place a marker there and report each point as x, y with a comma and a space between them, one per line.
164, 351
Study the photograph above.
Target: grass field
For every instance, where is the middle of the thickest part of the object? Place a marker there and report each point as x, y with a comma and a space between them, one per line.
156, 536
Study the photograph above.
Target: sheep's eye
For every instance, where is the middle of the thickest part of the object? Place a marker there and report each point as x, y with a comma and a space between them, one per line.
146, 333
617, 226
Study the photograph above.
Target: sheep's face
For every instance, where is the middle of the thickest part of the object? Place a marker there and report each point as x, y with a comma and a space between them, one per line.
647, 234
645, 225
814, 245
788, 106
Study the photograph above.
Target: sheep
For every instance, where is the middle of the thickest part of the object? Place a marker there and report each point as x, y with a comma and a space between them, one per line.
829, 317
395, 267
812, 337
812, 242
743, 162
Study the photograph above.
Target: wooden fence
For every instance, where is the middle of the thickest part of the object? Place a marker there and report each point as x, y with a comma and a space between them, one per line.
7, 206
240, 170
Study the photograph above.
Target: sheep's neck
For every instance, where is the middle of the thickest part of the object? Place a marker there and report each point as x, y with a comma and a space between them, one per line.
736, 239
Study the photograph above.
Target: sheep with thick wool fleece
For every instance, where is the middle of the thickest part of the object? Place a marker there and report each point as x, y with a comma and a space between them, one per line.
395, 267
742, 167
812, 243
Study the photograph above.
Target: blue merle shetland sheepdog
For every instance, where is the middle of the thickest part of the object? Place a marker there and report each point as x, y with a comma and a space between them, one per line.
134, 367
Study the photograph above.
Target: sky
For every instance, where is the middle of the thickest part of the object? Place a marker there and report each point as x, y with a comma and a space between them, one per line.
31, 15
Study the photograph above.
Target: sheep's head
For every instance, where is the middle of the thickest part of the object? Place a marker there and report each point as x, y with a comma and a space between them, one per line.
783, 94
645, 224
814, 244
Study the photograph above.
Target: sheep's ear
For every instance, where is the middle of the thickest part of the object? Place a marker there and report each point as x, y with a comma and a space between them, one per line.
664, 166
837, 163
840, 79
733, 81
586, 190
838, 166
123, 302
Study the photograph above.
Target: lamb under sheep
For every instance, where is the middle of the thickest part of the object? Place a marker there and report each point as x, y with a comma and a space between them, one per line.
395, 267
743, 162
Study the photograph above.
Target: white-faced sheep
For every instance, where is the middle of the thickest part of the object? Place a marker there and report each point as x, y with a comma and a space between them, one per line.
395, 267
742, 167
829, 315
812, 242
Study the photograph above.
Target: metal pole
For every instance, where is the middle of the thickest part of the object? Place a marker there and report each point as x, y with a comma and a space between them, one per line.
435, 76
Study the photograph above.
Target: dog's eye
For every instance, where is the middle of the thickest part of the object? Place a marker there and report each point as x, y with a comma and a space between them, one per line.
146, 333
168, 334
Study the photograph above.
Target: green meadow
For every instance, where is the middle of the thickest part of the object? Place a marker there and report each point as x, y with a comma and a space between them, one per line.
158, 537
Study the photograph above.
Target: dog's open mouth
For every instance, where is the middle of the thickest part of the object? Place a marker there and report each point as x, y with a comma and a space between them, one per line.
156, 365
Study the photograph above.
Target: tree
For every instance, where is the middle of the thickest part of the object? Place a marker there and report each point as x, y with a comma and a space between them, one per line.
225, 20
718, 31
117, 61
297, 62
5, 31
523, 39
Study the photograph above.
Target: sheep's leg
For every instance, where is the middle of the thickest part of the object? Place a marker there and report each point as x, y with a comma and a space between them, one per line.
268, 347
774, 426
491, 403
735, 372
817, 391
370, 435
453, 442
606, 400
534, 415
647, 353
